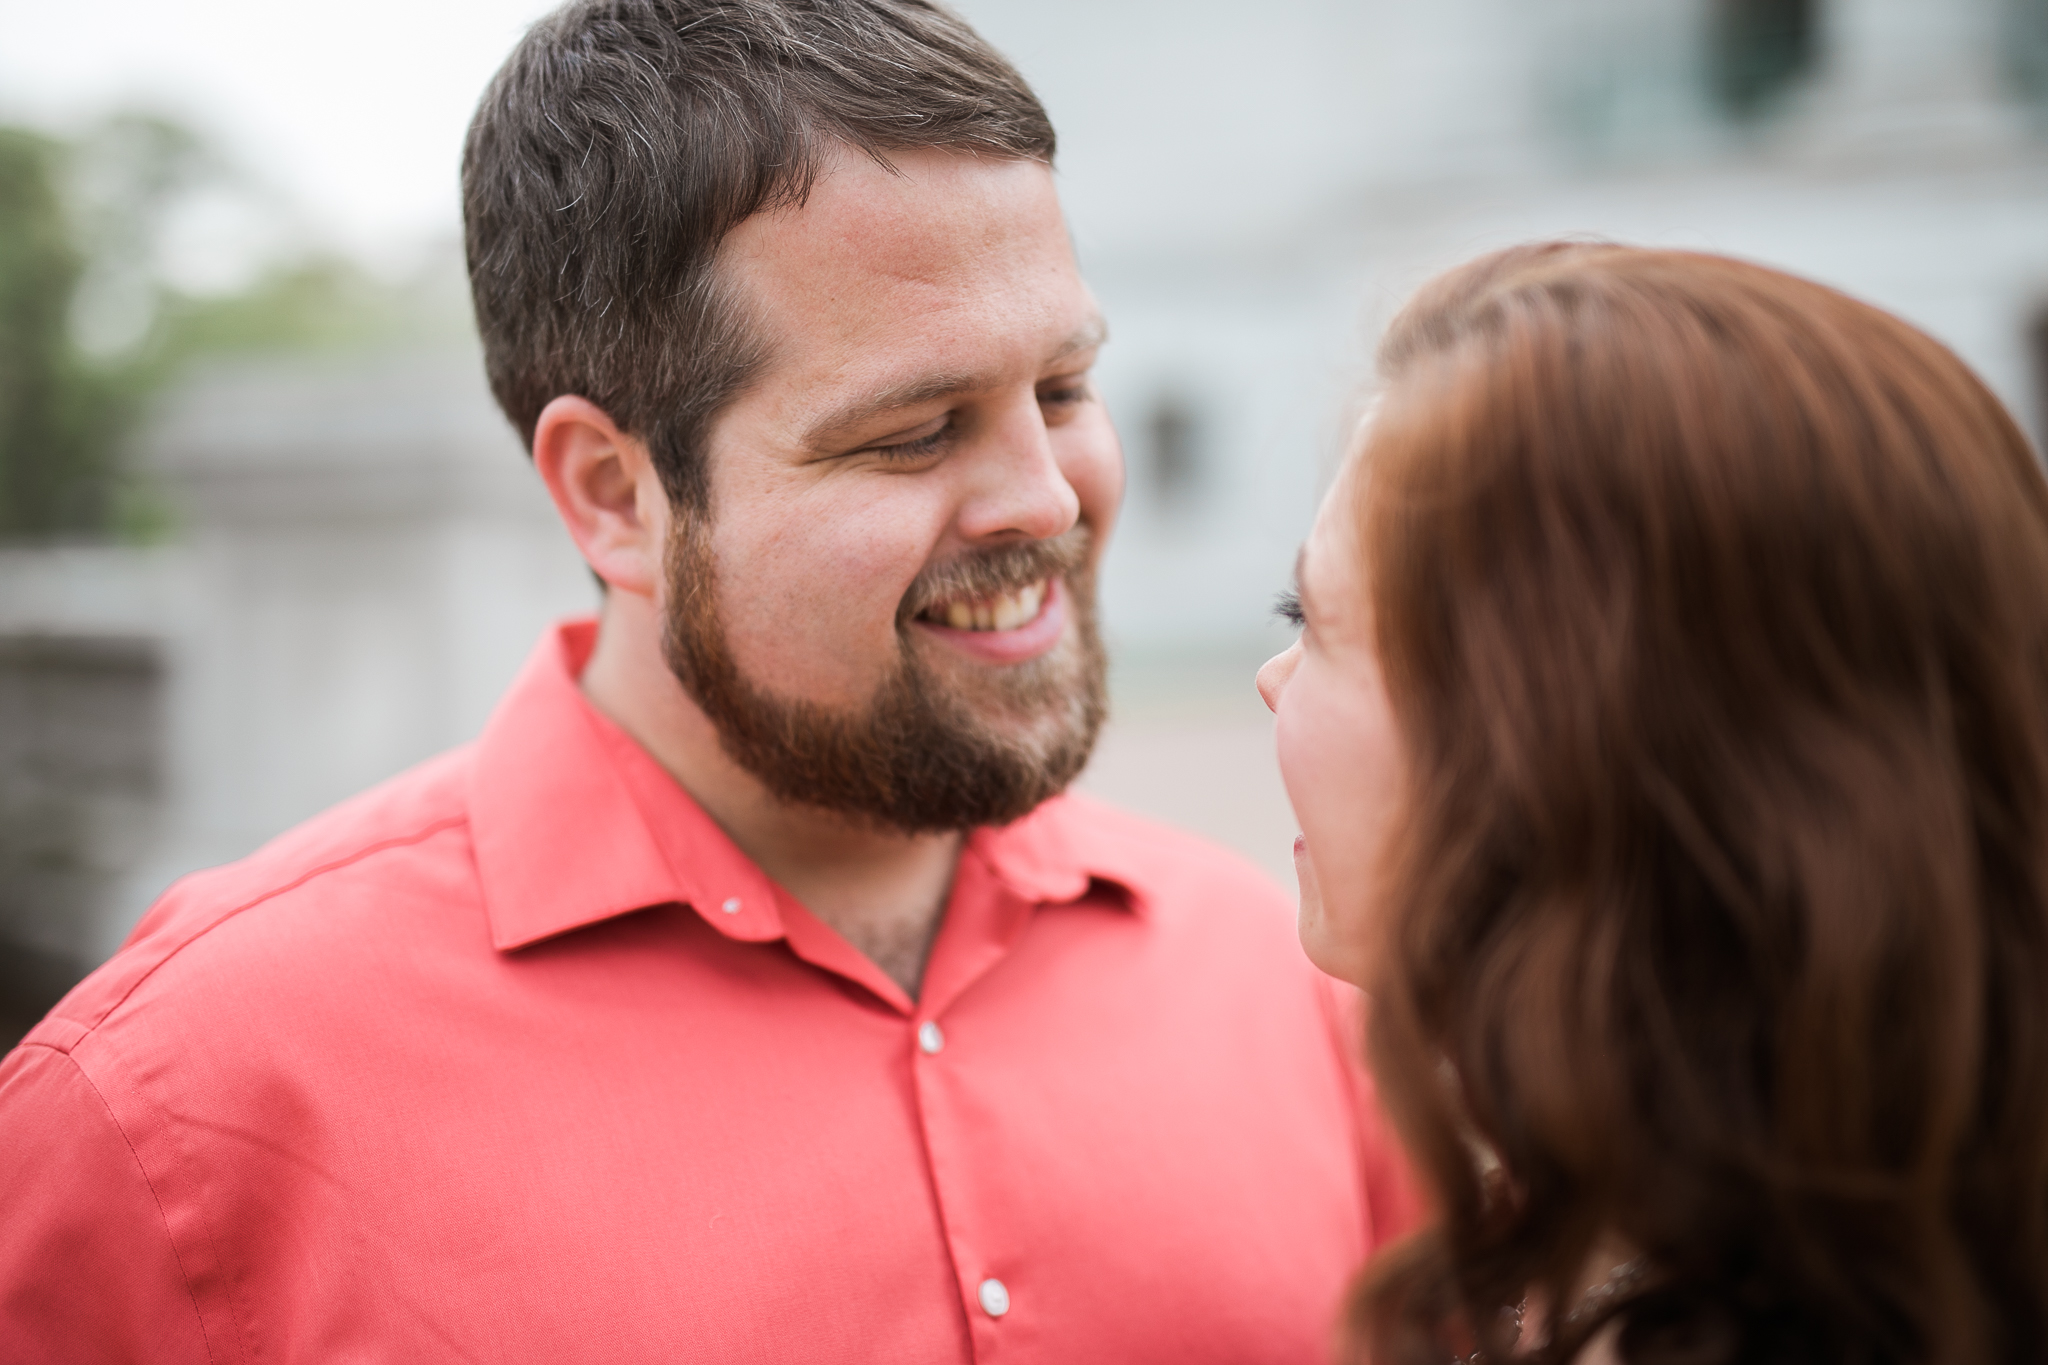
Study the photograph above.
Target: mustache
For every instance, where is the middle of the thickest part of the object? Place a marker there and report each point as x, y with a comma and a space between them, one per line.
991, 573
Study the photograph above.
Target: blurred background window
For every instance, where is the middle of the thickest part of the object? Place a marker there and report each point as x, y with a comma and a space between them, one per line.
2025, 42
1175, 432
1758, 49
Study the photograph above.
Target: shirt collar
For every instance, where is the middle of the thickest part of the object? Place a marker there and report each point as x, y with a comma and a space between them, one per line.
1056, 853
575, 823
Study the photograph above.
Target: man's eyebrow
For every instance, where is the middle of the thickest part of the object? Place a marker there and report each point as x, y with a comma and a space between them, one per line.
825, 433
1086, 337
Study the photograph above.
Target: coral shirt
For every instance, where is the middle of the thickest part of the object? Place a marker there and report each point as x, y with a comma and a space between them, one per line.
517, 1058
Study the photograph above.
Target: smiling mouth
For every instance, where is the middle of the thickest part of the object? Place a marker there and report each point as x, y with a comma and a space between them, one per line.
1005, 611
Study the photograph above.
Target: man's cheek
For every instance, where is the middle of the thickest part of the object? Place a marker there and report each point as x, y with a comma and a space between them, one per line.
1094, 467
821, 635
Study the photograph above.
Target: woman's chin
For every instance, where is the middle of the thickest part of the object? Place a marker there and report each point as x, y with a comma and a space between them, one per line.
1332, 953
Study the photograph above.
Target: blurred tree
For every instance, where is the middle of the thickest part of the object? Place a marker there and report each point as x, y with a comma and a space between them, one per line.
60, 416
319, 301
93, 322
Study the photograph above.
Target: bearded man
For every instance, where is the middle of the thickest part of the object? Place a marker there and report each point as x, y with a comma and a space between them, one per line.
748, 991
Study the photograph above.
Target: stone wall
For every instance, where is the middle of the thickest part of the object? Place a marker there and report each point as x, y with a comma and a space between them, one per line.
82, 747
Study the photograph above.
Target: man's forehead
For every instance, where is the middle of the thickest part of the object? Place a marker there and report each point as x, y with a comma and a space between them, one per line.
919, 219
894, 285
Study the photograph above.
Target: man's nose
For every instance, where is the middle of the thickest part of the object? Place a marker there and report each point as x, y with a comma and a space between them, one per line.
1273, 675
1018, 486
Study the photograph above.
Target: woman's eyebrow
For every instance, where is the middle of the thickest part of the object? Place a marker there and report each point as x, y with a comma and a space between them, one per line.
1301, 593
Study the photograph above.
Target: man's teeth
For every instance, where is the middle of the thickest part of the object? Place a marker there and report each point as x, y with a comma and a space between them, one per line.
1006, 612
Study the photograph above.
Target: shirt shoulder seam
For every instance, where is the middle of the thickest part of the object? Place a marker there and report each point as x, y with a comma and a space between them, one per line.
176, 1255
416, 837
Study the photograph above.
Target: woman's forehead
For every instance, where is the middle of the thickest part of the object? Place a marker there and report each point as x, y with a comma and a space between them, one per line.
1328, 571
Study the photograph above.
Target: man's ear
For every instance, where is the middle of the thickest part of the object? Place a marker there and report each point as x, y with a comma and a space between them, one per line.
607, 492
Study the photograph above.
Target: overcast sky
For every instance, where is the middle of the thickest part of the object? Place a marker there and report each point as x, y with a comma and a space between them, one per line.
356, 111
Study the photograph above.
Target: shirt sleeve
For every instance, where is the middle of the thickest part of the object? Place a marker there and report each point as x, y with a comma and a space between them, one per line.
87, 1270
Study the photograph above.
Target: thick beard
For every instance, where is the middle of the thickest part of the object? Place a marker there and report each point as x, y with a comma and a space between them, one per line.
919, 757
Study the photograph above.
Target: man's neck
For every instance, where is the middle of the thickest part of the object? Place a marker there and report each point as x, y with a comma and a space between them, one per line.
883, 892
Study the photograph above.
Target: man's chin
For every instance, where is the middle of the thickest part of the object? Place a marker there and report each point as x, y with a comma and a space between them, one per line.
949, 740
1028, 701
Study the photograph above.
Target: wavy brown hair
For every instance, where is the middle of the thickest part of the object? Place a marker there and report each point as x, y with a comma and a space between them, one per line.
1713, 610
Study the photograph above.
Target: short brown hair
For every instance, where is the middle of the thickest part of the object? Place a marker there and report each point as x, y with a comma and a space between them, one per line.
623, 139
1713, 610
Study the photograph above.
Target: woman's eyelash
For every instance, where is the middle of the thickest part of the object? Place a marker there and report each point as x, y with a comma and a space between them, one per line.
1287, 606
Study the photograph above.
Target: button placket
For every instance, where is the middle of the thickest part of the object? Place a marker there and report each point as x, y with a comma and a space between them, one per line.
946, 1087
990, 1293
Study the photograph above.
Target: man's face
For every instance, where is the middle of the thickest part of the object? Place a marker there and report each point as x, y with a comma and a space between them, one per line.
889, 609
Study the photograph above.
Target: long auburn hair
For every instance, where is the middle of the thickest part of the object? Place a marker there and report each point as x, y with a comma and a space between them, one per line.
1713, 610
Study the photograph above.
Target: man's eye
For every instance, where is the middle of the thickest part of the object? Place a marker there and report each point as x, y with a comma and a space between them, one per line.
1065, 395
913, 450
1287, 606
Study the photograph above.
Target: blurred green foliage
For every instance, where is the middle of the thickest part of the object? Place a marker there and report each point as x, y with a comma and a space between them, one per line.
82, 224
60, 415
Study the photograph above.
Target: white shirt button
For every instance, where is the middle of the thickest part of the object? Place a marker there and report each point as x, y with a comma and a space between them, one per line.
930, 1038
731, 906
995, 1298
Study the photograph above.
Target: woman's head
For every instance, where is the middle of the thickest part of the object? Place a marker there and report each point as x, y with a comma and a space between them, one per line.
1711, 611
1340, 750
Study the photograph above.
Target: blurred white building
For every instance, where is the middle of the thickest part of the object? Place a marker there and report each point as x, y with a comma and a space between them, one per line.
367, 555
1256, 188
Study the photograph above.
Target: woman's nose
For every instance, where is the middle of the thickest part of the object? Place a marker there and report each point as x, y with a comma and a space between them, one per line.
1274, 674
